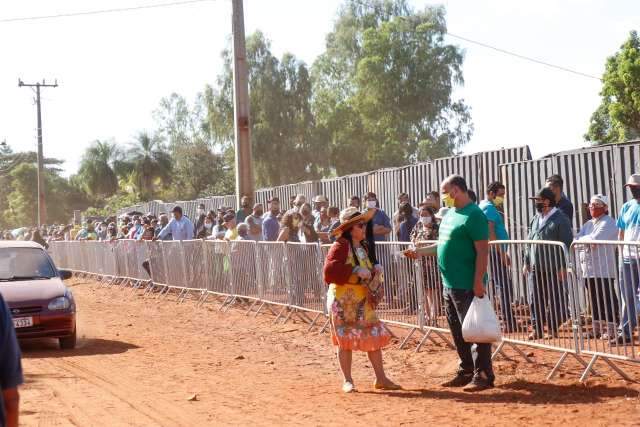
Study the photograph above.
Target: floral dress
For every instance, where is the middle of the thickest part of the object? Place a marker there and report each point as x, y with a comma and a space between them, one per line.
354, 323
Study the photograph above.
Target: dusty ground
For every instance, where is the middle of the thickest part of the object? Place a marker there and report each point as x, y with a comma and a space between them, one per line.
139, 363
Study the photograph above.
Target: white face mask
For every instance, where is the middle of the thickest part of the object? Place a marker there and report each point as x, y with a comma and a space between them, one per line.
425, 220
371, 204
208, 225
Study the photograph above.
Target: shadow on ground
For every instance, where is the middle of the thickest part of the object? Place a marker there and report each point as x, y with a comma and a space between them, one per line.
46, 348
523, 392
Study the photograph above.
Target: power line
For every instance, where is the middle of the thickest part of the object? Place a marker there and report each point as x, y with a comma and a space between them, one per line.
507, 52
526, 58
101, 11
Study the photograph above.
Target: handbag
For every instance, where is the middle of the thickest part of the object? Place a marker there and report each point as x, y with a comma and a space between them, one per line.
374, 289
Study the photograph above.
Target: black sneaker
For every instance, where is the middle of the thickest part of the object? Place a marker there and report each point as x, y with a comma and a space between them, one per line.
481, 381
460, 380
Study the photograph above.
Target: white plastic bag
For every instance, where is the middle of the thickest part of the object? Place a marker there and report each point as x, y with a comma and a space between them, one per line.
481, 323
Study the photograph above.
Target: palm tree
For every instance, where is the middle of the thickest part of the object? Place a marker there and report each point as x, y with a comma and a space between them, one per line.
150, 163
99, 168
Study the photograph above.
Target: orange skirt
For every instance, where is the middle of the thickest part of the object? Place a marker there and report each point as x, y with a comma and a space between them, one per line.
354, 323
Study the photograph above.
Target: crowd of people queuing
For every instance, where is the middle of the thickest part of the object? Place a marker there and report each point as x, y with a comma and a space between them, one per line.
469, 221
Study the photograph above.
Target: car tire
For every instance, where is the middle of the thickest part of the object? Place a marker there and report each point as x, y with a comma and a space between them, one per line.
68, 343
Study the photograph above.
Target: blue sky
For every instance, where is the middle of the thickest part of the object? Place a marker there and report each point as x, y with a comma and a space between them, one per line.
114, 68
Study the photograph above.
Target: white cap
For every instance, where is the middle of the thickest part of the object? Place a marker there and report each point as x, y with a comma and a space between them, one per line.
633, 180
600, 198
442, 212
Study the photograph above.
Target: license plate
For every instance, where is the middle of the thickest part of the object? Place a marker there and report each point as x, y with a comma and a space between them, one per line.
22, 322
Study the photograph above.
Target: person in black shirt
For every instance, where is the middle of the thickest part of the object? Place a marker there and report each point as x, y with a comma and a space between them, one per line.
10, 368
556, 184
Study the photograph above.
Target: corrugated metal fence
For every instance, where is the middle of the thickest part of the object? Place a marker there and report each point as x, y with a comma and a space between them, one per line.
588, 171
601, 169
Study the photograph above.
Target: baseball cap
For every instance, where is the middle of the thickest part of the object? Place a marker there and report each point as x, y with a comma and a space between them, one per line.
634, 180
544, 193
600, 198
320, 199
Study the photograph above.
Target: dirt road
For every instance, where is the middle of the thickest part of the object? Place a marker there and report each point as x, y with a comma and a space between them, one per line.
146, 363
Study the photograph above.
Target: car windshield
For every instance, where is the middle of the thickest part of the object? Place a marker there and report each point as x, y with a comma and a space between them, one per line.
24, 264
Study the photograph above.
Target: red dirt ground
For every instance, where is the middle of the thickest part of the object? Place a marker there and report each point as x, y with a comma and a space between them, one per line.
143, 362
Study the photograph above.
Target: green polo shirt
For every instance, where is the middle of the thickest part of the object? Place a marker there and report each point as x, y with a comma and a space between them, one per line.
459, 229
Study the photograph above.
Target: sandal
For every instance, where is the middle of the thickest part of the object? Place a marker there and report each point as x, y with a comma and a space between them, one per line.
388, 385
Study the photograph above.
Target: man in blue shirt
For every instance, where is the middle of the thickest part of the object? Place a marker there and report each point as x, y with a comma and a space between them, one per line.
629, 231
499, 260
180, 227
10, 368
270, 223
381, 222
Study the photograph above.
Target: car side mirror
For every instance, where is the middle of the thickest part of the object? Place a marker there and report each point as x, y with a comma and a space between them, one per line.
65, 274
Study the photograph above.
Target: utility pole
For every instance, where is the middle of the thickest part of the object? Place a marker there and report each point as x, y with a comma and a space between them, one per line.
244, 166
42, 208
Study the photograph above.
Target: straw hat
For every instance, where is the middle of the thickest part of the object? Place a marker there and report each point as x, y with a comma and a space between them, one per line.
350, 217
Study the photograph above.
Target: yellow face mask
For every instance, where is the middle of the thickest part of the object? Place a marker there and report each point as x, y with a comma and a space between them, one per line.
448, 200
498, 201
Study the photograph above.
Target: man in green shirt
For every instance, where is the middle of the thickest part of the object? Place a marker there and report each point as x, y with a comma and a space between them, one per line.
462, 250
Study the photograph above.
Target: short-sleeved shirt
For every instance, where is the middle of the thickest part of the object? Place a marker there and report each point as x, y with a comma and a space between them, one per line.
494, 216
10, 365
629, 221
381, 218
406, 227
270, 227
459, 230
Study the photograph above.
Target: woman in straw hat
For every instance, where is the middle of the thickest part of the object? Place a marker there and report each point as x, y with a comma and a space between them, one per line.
355, 280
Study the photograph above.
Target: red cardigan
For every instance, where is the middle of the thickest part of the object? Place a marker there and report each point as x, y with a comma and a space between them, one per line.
336, 269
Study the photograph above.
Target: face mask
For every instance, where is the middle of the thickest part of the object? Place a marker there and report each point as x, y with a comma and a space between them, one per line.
425, 220
498, 201
208, 225
371, 204
596, 211
259, 213
539, 207
448, 200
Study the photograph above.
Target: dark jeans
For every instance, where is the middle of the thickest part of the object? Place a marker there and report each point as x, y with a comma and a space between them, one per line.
456, 303
548, 301
604, 303
503, 287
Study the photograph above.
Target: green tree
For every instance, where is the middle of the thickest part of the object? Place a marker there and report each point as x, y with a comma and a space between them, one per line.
61, 197
99, 168
383, 88
617, 118
284, 142
150, 165
198, 161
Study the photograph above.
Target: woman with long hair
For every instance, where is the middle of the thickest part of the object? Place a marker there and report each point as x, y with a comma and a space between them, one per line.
289, 227
355, 288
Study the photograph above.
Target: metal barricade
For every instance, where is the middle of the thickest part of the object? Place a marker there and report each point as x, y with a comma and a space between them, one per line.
532, 287
194, 266
174, 264
307, 290
217, 267
242, 262
607, 276
271, 266
403, 291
